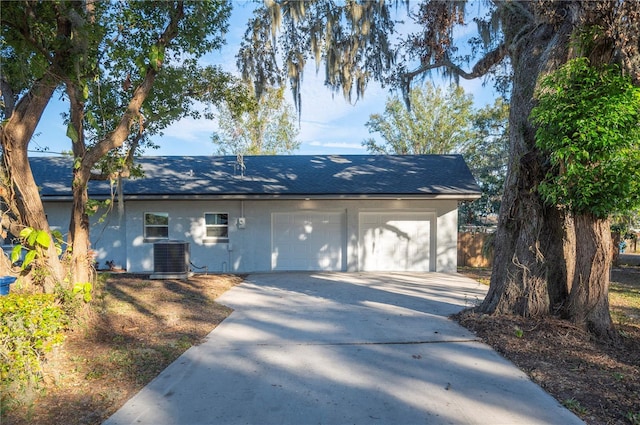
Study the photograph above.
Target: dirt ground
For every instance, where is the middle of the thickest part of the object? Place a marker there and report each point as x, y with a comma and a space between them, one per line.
598, 382
139, 326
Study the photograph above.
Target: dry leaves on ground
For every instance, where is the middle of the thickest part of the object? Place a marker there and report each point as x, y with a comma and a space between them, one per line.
598, 382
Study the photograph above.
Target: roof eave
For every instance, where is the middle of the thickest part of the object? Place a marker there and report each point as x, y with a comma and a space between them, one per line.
156, 197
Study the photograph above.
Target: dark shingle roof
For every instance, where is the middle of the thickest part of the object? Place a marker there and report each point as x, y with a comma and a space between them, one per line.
421, 176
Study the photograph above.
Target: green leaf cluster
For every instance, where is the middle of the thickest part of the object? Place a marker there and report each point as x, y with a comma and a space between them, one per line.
439, 122
85, 289
589, 127
35, 242
30, 325
268, 128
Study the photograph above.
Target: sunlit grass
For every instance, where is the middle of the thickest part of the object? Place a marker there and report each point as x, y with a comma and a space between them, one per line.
624, 303
624, 297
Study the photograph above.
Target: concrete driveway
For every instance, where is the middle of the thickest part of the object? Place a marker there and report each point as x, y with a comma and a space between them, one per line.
344, 348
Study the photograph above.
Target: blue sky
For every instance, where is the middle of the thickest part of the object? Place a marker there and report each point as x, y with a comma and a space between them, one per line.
328, 125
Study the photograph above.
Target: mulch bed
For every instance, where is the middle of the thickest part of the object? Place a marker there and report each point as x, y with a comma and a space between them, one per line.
599, 382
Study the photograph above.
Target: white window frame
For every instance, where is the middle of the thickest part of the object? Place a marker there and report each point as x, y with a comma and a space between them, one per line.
216, 226
154, 226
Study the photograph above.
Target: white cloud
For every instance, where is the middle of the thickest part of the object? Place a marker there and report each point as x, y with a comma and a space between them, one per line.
340, 145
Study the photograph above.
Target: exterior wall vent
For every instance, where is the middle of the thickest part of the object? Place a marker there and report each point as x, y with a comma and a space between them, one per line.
171, 260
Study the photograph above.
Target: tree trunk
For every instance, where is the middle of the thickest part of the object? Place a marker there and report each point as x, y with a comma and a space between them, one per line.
81, 267
529, 275
546, 261
15, 136
79, 240
589, 298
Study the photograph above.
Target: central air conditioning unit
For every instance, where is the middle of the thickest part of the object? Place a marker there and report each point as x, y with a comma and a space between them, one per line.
171, 260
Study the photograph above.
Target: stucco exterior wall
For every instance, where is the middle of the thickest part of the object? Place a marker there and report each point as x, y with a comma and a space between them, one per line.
120, 238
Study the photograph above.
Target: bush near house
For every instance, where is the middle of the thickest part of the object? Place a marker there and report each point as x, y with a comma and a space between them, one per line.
29, 326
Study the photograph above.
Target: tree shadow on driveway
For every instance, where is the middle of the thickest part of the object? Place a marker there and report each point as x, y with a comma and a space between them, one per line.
343, 348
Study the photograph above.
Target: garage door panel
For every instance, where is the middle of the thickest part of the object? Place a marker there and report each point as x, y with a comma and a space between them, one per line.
395, 241
307, 241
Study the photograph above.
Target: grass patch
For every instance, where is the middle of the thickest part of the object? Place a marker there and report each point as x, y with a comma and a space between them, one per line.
624, 303
480, 274
575, 406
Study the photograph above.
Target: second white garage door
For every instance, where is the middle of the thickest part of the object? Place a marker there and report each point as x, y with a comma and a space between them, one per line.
307, 241
399, 241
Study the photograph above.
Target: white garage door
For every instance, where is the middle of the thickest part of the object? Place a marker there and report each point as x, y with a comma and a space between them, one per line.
307, 241
398, 241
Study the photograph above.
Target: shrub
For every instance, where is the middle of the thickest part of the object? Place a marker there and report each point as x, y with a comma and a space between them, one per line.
29, 326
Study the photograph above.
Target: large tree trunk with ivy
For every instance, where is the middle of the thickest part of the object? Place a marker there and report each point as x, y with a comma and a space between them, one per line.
529, 275
547, 262
536, 261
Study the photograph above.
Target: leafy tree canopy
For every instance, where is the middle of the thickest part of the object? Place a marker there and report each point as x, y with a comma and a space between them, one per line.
128, 69
269, 128
439, 122
589, 126
487, 155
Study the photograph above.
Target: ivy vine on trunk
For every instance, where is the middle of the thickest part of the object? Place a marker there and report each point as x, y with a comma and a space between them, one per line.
588, 121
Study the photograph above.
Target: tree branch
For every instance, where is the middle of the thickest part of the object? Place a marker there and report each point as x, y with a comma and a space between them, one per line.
117, 137
8, 97
481, 68
516, 7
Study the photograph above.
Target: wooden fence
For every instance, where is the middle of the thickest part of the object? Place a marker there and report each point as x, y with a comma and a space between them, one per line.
474, 249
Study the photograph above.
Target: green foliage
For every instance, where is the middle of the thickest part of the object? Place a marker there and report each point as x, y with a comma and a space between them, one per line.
182, 86
94, 205
36, 237
575, 406
633, 418
35, 242
623, 224
30, 325
84, 289
21, 64
269, 128
486, 154
589, 126
128, 70
519, 333
439, 122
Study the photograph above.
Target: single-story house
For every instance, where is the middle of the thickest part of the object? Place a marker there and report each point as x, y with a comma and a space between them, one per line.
273, 213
